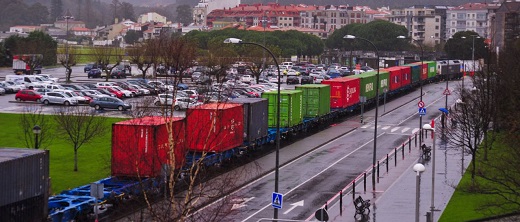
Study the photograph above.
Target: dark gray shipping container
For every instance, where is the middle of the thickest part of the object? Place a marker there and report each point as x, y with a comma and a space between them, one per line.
29, 210
24, 174
255, 117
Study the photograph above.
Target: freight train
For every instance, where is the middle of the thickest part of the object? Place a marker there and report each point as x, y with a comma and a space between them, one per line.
144, 148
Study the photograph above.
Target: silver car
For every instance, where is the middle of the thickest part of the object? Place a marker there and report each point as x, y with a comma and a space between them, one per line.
58, 98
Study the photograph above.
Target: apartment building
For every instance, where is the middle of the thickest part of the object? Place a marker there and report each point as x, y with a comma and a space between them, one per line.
422, 22
468, 17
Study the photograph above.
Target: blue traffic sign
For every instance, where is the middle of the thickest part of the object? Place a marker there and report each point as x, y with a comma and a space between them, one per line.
277, 200
422, 111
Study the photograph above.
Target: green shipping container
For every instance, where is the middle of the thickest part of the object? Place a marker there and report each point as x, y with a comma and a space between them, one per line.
316, 100
432, 68
416, 72
368, 83
290, 107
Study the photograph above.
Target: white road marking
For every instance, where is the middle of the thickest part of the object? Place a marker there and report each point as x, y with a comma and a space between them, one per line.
415, 130
405, 129
394, 129
385, 128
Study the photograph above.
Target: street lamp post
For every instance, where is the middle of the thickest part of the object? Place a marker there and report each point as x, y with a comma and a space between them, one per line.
67, 17
428, 127
377, 108
463, 65
419, 168
421, 84
473, 50
36, 130
276, 174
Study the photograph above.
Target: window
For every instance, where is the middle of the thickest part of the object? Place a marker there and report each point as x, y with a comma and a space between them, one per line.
436, 27
437, 20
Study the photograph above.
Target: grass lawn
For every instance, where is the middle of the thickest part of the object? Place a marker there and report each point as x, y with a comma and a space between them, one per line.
465, 206
93, 157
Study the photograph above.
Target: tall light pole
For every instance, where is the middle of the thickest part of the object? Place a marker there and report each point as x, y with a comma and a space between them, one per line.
36, 130
419, 168
67, 17
421, 84
463, 65
473, 50
377, 108
428, 127
276, 174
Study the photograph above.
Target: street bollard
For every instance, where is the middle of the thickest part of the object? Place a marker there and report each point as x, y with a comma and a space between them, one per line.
395, 156
409, 144
326, 206
378, 171
402, 151
353, 189
416, 140
365, 182
387, 163
341, 202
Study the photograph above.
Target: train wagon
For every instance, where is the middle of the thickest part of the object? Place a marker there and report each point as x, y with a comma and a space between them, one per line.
315, 100
290, 108
406, 76
214, 127
140, 146
344, 92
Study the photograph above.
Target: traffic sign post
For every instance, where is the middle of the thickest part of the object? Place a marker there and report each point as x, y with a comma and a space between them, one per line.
277, 200
422, 111
420, 104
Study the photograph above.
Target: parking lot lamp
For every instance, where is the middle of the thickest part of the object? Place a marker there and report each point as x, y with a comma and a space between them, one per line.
419, 168
428, 127
351, 37
36, 130
276, 174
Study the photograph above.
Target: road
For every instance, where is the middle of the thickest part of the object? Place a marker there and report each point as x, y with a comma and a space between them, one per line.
314, 169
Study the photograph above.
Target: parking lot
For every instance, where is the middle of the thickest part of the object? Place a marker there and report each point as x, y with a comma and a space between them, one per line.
9, 105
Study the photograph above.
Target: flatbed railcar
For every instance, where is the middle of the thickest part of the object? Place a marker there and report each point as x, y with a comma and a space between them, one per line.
343, 100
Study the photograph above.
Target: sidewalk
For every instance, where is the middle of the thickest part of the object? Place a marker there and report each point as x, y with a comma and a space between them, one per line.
394, 199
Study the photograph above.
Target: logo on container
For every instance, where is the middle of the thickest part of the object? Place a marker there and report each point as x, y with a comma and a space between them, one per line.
350, 92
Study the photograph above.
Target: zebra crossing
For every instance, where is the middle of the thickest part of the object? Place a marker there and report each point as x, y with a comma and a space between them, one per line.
392, 129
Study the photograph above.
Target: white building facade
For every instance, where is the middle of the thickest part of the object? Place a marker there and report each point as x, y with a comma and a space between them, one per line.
468, 17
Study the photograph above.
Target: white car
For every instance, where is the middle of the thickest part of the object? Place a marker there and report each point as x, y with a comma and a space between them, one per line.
106, 84
53, 87
247, 78
141, 89
180, 102
58, 98
49, 77
72, 94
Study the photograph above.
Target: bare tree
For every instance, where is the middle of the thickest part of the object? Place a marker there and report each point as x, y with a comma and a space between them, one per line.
179, 53
79, 125
33, 116
218, 60
105, 56
67, 58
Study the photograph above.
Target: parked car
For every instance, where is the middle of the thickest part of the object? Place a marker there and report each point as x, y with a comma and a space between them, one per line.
177, 102
8, 88
72, 94
307, 80
247, 78
90, 66
292, 80
73, 86
112, 91
2, 91
49, 77
27, 95
58, 98
94, 73
109, 103
203, 80
117, 73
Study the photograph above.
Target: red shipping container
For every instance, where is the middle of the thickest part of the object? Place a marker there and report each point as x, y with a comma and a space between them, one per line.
406, 75
394, 77
344, 92
214, 127
141, 146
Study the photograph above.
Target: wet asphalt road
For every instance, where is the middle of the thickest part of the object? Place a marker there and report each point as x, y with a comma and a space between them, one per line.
337, 156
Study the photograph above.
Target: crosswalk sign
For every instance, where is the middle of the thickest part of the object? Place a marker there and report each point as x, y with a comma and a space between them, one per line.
422, 111
277, 200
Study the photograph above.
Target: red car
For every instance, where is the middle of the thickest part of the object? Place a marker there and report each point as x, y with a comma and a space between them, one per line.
27, 95
118, 94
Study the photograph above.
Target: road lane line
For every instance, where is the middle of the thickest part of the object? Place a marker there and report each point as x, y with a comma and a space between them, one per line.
304, 182
395, 129
385, 128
